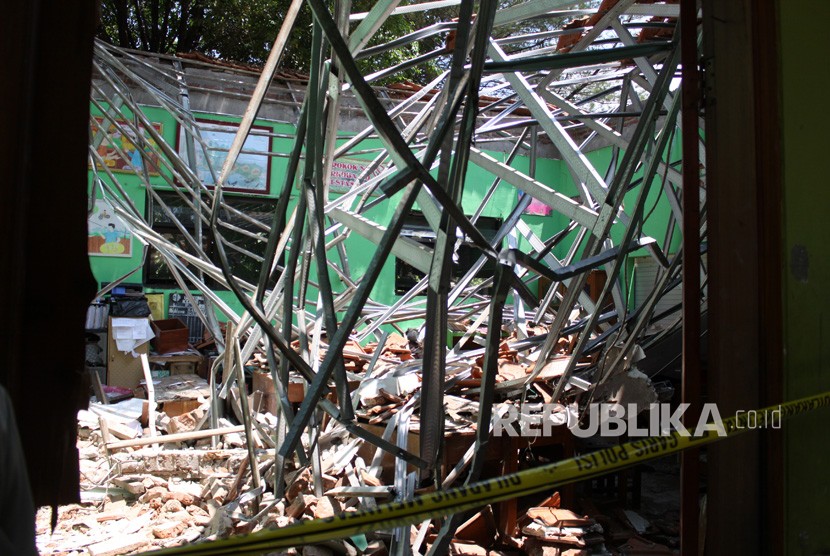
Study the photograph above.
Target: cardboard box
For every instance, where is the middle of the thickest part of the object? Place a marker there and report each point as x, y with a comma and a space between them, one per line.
171, 335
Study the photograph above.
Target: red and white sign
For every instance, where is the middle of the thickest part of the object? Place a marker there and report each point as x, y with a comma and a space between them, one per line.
345, 172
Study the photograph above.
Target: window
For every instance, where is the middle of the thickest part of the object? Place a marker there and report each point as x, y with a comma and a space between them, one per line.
245, 237
417, 228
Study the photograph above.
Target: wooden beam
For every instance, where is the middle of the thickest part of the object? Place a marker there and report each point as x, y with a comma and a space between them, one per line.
177, 437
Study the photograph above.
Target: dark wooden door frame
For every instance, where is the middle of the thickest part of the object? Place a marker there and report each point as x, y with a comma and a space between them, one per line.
744, 189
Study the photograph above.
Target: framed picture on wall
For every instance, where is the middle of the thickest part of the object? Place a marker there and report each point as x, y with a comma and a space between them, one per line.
107, 234
252, 171
123, 137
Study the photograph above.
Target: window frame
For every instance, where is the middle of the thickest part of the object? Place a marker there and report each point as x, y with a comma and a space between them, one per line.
417, 229
161, 224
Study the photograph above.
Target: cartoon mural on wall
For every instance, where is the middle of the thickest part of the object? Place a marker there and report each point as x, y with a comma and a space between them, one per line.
107, 234
126, 141
249, 174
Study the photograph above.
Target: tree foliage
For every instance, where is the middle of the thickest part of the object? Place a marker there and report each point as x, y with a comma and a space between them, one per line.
237, 30
244, 31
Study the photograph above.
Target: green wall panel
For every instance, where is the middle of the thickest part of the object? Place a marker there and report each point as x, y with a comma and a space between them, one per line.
806, 275
552, 172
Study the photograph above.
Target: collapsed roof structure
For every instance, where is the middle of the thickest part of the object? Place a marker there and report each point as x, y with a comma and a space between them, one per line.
604, 76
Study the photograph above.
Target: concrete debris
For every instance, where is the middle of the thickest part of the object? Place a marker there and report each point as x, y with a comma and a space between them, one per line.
119, 545
189, 482
630, 387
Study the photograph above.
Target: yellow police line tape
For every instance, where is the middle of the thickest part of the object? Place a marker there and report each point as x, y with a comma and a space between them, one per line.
455, 500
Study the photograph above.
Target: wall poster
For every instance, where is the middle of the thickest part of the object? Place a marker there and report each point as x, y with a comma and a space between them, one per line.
126, 141
250, 174
107, 234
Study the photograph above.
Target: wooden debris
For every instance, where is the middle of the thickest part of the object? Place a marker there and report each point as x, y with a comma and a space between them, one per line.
178, 437
479, 529
119, 430
556, 517
119, 545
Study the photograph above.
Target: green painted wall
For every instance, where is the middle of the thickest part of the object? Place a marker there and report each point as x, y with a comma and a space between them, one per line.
806, 275
552, 172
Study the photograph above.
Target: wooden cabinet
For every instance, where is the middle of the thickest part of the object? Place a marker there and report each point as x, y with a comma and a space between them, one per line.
122, 368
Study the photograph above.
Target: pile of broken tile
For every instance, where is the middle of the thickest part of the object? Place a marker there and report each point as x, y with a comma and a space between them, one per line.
135, 500
142, 492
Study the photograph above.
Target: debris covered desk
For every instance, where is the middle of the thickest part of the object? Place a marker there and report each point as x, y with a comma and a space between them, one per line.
179, 363
177, 394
